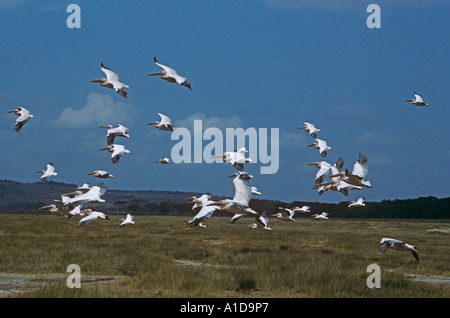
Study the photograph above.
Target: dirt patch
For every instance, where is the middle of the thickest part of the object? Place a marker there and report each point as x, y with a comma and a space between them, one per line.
439, 230
196, 264
317, 244
212, 242
433, 280
19, 283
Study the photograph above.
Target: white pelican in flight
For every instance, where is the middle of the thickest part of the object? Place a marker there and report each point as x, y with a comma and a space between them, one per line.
171, 75
78, 210
360, 170
323, 215
117, 151
52, 208
344, 187
322, 146
24, 116
418, 101
66, 212
164, 124
164, 160
236, 217
242, 195
92, 216
101, 174
112, 80
112, 133
303, 209
67, 196
336, 170
338, 180
255, 191
311, 129
92, 196
324, 167
387, 243
48, 173
285, 215
261, 221
205, 213
128, 220
357, 203
85, 186
235, 158
200, 201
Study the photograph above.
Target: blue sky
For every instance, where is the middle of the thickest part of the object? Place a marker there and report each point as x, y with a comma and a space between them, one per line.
262, 64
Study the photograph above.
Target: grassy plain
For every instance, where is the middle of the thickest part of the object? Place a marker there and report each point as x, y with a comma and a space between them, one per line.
161, 257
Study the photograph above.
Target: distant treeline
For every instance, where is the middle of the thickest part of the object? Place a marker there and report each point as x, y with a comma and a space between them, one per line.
28, 197
420, 208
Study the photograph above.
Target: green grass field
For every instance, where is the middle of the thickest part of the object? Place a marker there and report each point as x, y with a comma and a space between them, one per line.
304, 259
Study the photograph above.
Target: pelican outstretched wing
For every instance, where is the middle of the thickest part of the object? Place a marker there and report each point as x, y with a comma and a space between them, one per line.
242, 188
110, 74
167, 69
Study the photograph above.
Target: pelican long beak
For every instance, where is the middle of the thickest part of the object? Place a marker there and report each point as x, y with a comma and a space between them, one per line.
90, 173
154, 123
301, 127
312, 164
217, 156
233, 175
103, 126
11, 111
106, 148
45, 207
218, 203
96, 81
311, 145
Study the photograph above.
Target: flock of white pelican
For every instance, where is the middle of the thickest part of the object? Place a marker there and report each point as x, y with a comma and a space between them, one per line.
341, 180
73, 203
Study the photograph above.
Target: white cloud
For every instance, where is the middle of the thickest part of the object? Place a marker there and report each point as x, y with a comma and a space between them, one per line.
10, 4
374, 137
379, 159
350, 112
290, 139
217, 122
287, 139
99, 109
